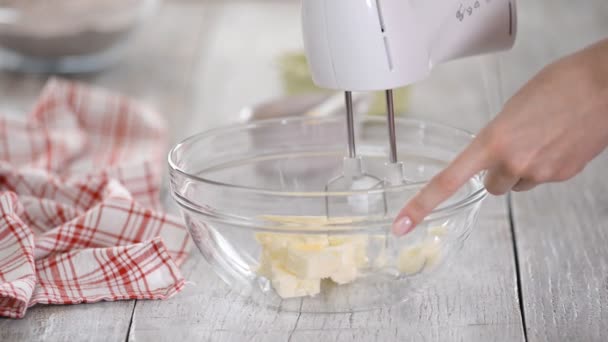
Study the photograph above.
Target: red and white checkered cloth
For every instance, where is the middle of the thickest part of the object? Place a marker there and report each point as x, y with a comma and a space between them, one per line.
79, 188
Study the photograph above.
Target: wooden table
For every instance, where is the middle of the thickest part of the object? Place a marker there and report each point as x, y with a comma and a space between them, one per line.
535, 268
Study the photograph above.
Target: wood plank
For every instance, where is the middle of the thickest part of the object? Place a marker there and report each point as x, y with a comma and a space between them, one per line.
475, 301
228, 71
548, 30
238, 61
562, 232
561, 229
160, 67
157, 70
207, 310
105, 321
223, 93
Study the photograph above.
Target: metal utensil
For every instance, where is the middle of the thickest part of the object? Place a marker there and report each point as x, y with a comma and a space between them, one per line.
394, 168
353, 178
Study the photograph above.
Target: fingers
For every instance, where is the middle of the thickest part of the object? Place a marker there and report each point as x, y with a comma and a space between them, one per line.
499, 181
471, 161
524, 185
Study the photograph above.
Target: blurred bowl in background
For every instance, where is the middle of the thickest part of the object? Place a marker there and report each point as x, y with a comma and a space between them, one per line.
68, 36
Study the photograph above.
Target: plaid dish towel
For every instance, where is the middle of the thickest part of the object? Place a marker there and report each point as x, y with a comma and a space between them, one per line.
79, 188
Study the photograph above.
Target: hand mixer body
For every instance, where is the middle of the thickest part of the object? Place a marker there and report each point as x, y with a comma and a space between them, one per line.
368, 45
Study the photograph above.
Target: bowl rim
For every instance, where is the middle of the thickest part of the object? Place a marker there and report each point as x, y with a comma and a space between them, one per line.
470, 199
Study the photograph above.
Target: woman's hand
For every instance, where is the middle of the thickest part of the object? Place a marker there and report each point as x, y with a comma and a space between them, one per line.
547, 132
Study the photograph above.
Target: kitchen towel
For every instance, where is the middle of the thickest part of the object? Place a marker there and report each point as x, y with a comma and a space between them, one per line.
79, 203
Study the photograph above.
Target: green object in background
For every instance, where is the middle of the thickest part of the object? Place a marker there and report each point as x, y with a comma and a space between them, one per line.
296, 75
296, 80
401, 97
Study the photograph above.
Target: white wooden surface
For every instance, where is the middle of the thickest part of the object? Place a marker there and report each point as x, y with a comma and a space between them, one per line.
562, 230
562, 241
203, 60
475, 301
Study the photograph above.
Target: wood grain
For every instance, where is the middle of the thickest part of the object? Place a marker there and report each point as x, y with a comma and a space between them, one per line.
562, 232
157, 70
105, 321
475, 300
561, 229
204, 60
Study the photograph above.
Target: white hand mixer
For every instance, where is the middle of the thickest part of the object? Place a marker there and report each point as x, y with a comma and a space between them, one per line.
372, 45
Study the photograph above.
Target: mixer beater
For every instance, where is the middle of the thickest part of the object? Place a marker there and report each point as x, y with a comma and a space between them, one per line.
373, 45
354, 176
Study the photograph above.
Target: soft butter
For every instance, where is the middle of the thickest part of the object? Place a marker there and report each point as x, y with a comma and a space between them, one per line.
296, 263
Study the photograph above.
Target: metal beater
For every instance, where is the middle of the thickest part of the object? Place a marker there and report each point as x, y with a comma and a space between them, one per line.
394, 168
371, 45
354, 177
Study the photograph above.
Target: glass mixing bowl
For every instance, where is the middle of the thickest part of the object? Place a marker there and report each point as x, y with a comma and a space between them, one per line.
67, 36
253, 197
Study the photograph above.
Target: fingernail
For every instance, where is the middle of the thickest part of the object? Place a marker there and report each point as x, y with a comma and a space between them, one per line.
402, 226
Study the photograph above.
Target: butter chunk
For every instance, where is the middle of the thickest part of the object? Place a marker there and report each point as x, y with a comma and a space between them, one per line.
308, 262
412, 260
358, 244
437, 231
378, 248
432, 250
297, 263
310, 221
345, 274
288, 285
279, 241
277, 245
381, 259
266, 261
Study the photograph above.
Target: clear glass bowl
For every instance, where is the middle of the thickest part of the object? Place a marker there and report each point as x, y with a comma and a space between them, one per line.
247, 188
67, 36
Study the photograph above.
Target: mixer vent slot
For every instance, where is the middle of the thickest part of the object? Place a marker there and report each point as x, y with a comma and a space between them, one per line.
510, 19
387, 48
389, 58
380, 17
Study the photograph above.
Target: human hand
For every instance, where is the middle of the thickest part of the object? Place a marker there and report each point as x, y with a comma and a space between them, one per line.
547, 132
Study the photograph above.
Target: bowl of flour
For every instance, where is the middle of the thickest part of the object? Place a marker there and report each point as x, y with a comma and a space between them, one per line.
67, 36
